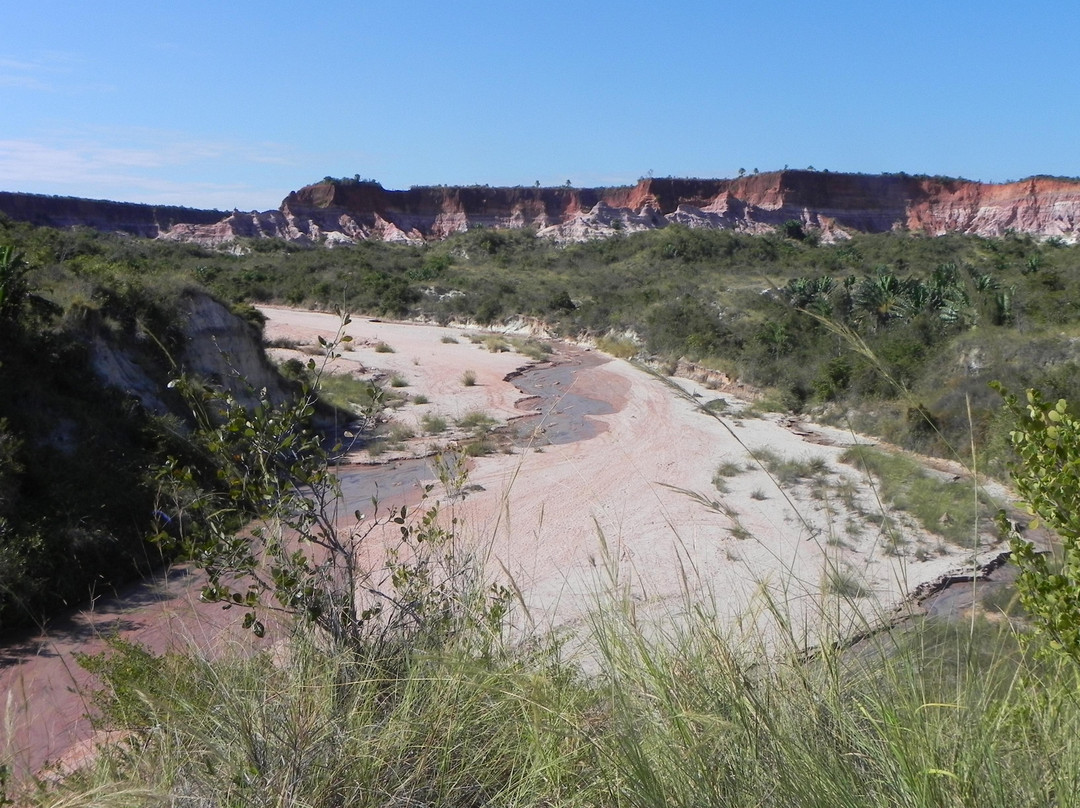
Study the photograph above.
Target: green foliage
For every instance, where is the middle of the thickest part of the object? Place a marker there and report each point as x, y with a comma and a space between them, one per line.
1046, 439
477, 422
13, 283
69, 532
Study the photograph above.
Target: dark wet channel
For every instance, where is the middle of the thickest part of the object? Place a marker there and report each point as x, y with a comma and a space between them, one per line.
562, 403
557, 394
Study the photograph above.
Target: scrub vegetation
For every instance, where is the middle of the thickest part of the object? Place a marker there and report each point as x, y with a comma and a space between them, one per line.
895, 334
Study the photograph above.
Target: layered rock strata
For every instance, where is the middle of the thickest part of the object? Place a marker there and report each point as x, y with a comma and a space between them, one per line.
836, 205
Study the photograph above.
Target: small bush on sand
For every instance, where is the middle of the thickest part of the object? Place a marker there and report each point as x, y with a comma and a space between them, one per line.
433, 424
619, 347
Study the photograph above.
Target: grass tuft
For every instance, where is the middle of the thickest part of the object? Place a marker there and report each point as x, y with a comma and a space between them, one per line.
948, 508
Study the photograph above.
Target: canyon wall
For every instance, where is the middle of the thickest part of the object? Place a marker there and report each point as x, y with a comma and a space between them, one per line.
836, 205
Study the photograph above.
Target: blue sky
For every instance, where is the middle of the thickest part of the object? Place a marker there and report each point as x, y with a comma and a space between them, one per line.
236, 104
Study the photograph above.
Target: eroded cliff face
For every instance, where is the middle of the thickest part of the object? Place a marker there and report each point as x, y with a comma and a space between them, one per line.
216, 346
835, 204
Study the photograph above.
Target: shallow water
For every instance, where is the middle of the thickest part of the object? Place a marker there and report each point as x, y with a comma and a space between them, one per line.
562, 403
387, 484
558, 395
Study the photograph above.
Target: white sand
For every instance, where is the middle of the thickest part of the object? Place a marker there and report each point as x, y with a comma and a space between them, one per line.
561, 519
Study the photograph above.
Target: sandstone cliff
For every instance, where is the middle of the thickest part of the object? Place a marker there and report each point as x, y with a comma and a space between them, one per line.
215, 345
835, 204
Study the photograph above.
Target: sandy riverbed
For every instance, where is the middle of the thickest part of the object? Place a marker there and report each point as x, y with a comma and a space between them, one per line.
639, 498
633, 506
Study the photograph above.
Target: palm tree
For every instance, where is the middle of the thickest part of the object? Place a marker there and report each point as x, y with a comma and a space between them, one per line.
881, 296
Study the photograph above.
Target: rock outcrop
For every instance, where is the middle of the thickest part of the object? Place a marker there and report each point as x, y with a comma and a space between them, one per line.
836, 205
215, 345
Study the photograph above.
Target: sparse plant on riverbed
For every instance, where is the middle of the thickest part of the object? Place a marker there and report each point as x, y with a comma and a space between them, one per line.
531, 348
945, 507
433, 424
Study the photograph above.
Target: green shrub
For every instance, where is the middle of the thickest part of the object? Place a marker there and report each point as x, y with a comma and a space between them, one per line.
433, 424
1046, 439
477, 422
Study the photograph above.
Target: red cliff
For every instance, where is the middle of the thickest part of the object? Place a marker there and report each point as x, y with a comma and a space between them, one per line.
837, 205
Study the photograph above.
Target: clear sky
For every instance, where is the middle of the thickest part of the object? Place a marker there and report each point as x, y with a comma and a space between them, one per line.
235, 104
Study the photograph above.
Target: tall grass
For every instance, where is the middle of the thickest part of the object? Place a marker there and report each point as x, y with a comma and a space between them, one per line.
687, 715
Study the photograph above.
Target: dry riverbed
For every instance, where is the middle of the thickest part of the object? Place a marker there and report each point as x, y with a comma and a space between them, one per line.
635, 504
605, 478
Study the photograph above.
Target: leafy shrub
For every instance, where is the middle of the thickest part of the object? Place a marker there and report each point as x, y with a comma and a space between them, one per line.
1046, 439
